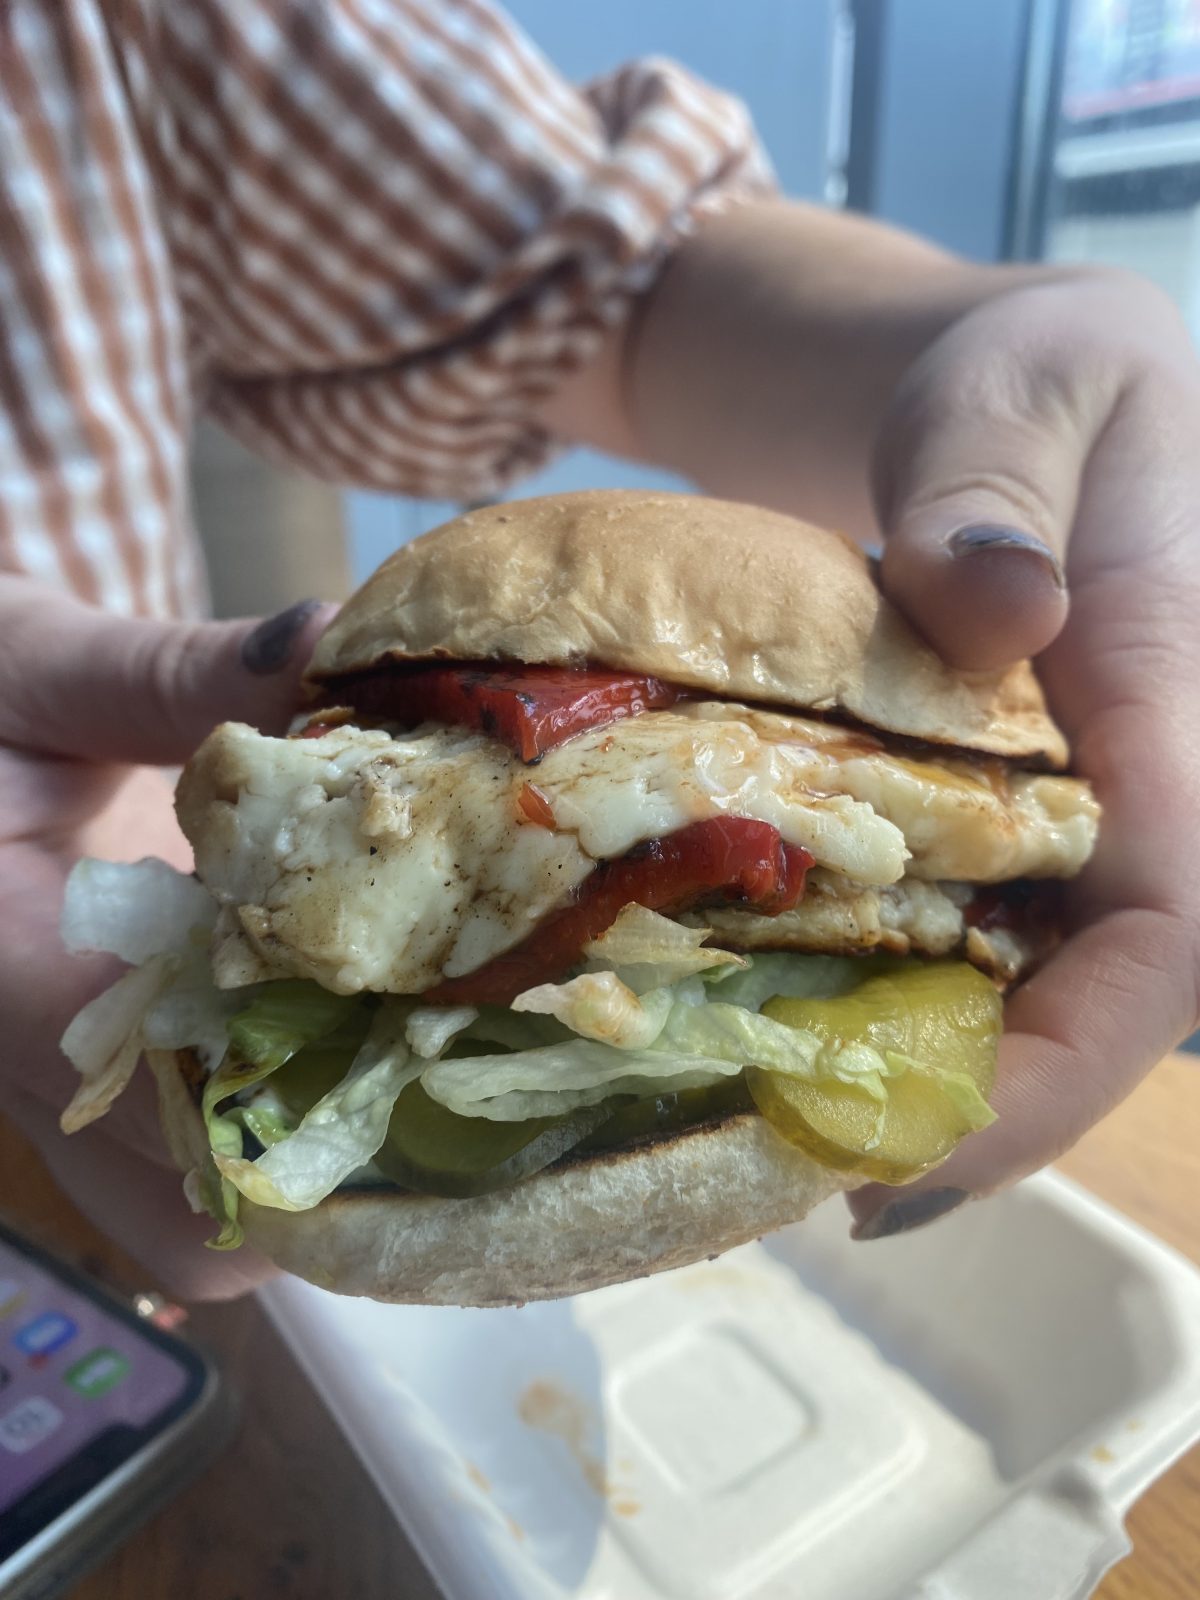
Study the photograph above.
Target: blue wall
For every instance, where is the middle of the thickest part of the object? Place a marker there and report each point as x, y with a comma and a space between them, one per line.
950, 82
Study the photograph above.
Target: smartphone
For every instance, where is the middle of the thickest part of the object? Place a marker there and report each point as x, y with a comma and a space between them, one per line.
103, 1417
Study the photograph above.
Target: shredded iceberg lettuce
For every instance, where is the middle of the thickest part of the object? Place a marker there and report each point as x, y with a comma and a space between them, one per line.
220, 1194
557, 1078
341, 1133
431, 1028
698, 1043
134, 910
283, 1017
191, 1013
733, 1034
510, 1030
146, 913
653, 1011
158, 920
663, 1040
265, 1120
104, 1040
650, 951
601, 1006
797, 977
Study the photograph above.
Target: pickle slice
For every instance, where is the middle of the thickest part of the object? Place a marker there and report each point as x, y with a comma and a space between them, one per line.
435, 1151
944, 1013
657, 1115
319, 1067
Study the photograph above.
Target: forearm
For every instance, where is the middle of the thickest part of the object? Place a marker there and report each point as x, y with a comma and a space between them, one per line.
761, 363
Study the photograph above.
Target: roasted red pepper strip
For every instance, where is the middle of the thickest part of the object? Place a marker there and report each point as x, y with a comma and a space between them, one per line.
531, 709
718, 860
532, 806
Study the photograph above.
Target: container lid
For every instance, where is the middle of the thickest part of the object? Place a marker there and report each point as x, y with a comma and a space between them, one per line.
963, 1414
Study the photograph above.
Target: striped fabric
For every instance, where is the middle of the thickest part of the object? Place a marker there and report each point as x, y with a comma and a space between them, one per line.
367, 235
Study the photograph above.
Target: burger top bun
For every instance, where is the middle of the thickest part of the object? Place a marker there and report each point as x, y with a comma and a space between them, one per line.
745, 603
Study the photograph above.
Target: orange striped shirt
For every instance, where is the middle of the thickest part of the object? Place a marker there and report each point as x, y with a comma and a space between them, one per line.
368, 236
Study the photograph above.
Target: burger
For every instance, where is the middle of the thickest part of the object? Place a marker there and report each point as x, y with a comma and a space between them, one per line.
633, 879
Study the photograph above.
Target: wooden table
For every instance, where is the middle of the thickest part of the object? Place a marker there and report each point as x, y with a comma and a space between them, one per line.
293, 1516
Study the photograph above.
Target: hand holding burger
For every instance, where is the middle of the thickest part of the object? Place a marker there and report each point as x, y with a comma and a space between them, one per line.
637, 879
1023, 438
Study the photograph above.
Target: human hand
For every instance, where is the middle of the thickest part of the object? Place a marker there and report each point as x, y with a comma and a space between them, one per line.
1059, 423
783, 354
91, 707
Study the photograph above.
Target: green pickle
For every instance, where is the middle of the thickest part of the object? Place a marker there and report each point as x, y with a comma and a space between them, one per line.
319, 1067
435, 1151
944, 1013
659, 1115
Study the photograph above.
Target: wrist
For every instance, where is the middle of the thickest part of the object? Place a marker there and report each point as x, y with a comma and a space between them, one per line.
763, 360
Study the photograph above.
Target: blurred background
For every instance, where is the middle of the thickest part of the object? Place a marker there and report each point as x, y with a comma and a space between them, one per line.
1066, 130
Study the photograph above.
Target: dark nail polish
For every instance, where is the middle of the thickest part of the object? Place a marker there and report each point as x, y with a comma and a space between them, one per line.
984, 539
913, 1211
269, 646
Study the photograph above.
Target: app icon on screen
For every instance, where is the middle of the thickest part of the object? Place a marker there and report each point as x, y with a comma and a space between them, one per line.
45, 1334
27, 1424
97, 1372
11, 1296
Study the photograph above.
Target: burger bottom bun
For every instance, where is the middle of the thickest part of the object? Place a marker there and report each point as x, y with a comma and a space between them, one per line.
581, 1225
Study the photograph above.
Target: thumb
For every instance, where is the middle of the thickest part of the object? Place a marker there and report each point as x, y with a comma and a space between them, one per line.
977, 475
75, 681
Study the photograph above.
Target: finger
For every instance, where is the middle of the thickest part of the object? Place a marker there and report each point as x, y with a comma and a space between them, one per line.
1124, 989
75, 681
141, 1206
977, 477
1079, 1036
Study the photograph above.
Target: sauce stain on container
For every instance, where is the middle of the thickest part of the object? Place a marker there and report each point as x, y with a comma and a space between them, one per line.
554, 1410
484, 1484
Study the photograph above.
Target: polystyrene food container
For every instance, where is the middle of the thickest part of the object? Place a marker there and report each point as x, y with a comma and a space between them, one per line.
963, 1414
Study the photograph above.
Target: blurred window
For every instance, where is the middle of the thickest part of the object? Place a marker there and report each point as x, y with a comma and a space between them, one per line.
1110, 168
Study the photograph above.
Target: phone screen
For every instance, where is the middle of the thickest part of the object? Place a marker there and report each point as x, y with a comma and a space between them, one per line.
82, 1386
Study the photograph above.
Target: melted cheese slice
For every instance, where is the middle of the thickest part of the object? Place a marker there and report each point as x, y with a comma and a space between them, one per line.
981, 821
368, 861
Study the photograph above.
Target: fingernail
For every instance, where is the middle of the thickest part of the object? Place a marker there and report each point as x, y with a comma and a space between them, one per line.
913, 1211
267, 648
983, 539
